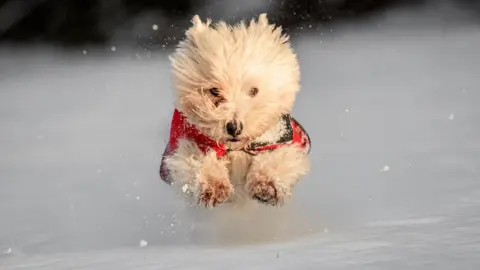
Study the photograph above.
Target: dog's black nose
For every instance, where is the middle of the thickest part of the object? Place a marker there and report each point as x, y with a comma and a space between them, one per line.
234, 128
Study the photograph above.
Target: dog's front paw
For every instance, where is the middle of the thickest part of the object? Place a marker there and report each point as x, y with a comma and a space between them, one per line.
263, 188
214, 191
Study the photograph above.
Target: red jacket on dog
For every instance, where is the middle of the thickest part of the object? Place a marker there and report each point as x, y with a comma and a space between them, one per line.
180, 128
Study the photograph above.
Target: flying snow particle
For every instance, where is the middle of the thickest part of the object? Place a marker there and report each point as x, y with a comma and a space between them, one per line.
138, 198
8, 251
143, 243
185, 188
113, 48
84, 52
385, 168
451, 116
155, 27
347, 110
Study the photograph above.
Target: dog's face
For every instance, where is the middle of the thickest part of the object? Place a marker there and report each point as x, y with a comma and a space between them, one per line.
234, 82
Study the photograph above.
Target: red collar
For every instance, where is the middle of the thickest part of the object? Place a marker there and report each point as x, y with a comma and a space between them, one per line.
180, 128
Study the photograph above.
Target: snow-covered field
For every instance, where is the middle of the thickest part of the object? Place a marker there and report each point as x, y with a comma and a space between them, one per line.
395, 122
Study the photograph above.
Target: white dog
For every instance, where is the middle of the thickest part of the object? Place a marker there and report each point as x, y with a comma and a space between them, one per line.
232, 136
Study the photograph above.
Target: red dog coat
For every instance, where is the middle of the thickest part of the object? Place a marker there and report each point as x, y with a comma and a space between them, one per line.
180, 128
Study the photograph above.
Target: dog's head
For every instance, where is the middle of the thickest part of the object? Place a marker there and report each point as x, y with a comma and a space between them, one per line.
234, 82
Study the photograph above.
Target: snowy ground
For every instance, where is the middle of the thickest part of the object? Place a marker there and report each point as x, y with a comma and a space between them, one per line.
394, 119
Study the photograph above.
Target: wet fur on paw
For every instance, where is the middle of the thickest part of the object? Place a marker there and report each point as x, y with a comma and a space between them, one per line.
263, 188
214, 191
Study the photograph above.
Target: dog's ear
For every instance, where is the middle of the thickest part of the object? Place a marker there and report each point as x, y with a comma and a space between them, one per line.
195, 31
196, 21
198, 24
264, 26
262, 19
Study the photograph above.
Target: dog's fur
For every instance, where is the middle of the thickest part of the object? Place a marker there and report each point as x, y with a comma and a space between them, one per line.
236, 59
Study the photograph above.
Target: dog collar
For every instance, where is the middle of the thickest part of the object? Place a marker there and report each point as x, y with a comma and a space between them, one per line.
290, 132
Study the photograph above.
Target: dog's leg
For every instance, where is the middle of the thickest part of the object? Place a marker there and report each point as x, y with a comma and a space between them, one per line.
273, 174
201, 175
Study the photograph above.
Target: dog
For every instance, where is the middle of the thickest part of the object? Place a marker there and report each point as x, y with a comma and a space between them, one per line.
232, 135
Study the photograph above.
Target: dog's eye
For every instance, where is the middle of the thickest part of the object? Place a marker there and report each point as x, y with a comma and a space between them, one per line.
215, 92
253, 91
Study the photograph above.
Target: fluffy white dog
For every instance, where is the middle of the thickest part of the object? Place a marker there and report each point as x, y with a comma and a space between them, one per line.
232, 136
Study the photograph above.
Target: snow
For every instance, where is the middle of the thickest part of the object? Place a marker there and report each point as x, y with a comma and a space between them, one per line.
143, 243
65, 119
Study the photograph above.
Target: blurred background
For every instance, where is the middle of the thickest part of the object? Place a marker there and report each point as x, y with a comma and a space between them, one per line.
390, 94
157, 25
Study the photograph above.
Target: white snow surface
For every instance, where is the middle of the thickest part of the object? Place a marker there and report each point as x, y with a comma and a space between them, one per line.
81, 137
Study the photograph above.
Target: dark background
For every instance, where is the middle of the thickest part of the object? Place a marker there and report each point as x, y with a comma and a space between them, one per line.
79, 23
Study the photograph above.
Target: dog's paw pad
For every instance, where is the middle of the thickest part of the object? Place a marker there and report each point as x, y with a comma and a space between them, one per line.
264, 191
214, 192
